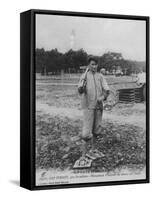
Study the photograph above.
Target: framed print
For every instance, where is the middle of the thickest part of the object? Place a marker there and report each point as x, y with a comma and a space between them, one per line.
84, 99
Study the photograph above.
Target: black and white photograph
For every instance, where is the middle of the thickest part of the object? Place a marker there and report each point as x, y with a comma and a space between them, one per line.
76, 91
90, 99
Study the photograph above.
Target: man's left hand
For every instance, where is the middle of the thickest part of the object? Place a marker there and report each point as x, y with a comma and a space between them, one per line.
100, 99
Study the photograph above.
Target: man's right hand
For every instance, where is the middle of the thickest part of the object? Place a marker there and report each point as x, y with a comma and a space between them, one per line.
81, 90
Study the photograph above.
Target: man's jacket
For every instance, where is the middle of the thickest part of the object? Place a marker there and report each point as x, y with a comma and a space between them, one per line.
96, 86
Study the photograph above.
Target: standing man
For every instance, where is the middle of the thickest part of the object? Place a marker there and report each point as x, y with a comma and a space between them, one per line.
93, 90
141, 81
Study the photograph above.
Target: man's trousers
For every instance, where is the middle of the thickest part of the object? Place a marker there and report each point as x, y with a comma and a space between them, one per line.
92, 122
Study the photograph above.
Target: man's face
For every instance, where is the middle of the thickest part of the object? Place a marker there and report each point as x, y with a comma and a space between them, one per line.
93, 66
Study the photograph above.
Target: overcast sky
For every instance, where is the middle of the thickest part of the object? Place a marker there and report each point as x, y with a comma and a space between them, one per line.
95, 35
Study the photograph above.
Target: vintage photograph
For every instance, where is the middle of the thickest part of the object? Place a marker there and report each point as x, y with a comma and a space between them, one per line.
90, 80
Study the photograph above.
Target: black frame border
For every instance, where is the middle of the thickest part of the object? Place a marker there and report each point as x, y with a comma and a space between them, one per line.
32, 94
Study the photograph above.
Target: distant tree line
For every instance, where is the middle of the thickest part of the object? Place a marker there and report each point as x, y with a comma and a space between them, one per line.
54, 62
